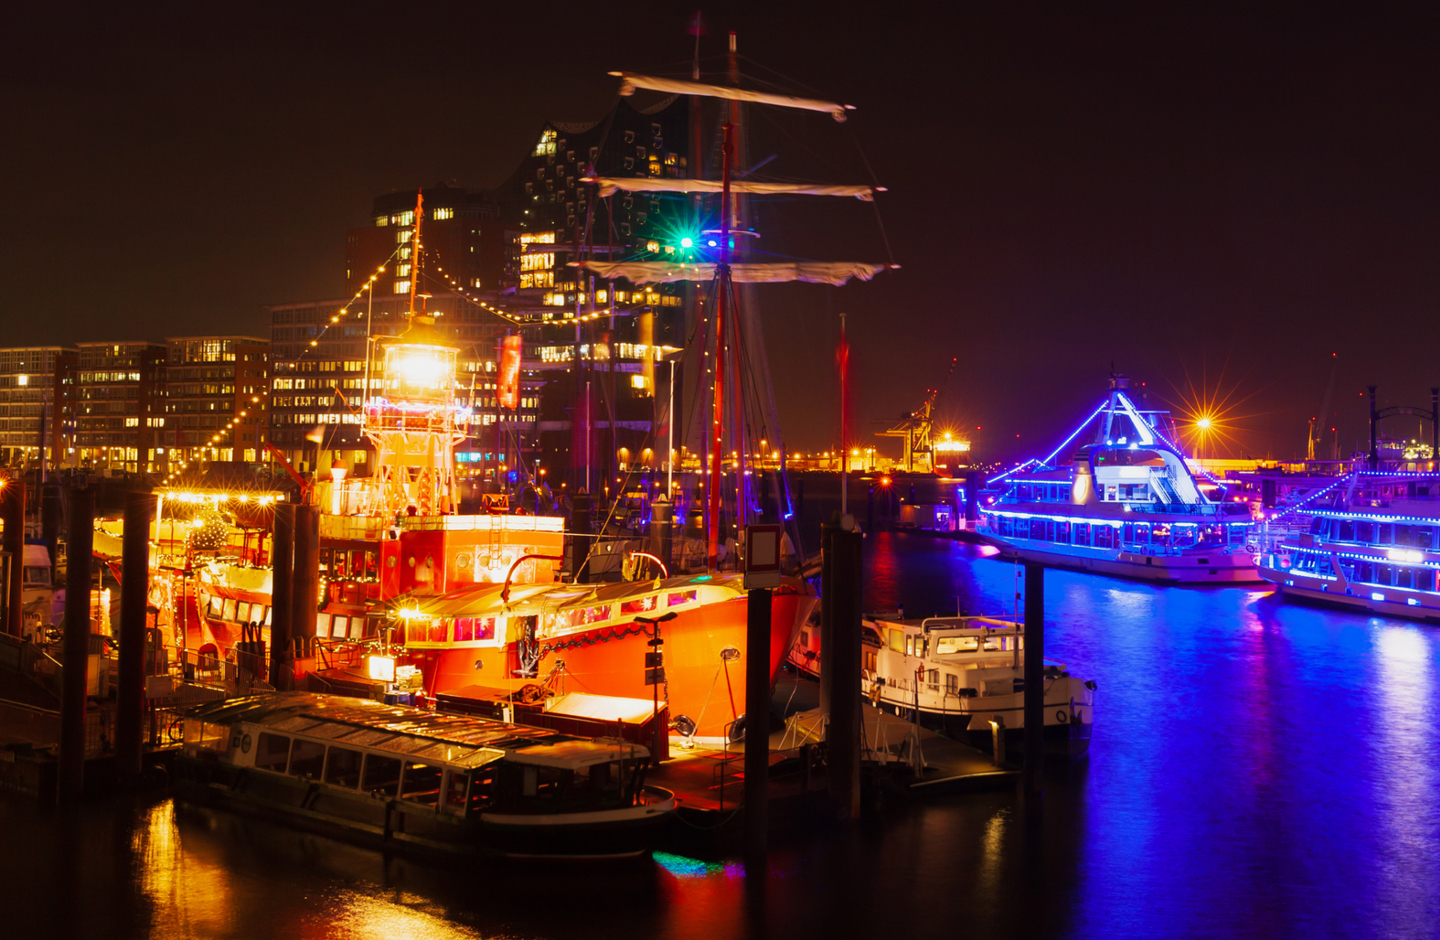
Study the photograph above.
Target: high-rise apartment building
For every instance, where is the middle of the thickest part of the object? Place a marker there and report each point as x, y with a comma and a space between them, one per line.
218, 389
462, 237
30, 419
120, 407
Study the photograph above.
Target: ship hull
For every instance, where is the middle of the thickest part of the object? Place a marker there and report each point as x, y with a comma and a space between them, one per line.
1213, 568
700, 683
1327, 592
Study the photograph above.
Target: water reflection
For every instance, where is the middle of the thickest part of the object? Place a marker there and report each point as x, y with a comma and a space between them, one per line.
1258, 769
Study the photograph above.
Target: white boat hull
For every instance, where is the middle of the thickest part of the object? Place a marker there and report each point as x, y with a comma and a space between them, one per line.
1210, 568
1392, 602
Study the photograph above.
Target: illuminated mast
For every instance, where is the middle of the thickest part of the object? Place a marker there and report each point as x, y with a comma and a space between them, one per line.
410, 418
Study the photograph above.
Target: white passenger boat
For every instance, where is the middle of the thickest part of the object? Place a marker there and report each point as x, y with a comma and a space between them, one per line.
414, 782
964, 677
1125, 504
1372, 543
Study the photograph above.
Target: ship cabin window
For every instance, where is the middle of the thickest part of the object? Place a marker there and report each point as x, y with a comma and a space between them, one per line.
679, 597
1405, 535
952, 684
1007, 526
1062, 532
640, 605
272, 751
909, 645
1022, 492
1347, 531
1082, 533
541, 782
946, 645
307, 759
805, 638
381, 776
1236, 534
872, 661
474, 628
1365, 572
421, 784
1384, 534
1318, 526
456, 784
897, 641
342, 767
1424, 579
933, 680
1404, 577
1365, 531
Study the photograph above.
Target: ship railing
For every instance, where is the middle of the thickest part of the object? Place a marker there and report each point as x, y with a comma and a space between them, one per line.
230, 678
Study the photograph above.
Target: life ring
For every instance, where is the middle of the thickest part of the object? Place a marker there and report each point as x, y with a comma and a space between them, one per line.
1061, 715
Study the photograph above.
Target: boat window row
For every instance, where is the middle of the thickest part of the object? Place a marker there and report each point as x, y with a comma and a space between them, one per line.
1399, 534
1365, 572
340, 626
458, 630
1042, 492
556, 623
340, 564
1126, 535
236, 611
378, 775
912, 645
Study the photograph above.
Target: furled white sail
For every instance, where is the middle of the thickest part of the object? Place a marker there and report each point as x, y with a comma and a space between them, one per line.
644, 184
664, 272
629, 81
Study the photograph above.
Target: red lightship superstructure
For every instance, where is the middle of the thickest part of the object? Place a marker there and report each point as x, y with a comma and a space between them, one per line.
473, 599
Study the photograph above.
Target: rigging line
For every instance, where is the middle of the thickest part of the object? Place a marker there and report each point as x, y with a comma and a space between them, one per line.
874, 203
781, 128
798, 84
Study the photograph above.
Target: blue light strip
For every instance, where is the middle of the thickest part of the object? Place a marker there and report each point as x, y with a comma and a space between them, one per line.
1315, 495
1046, 462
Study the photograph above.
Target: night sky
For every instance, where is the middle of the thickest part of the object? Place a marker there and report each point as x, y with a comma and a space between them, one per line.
1202, 198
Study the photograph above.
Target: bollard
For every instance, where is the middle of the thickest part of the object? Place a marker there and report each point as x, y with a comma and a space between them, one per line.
134, 588
282, 543
757, 723
12, 509
843, 734
1034, 678
305, 582
80, 540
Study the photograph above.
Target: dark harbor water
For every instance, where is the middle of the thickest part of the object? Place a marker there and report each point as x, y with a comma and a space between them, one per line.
1258, 769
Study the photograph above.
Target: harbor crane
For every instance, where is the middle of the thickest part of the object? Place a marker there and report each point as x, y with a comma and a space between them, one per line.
917, 427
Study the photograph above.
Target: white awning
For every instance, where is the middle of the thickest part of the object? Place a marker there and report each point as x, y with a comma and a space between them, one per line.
629, 81
662, 272
609, 185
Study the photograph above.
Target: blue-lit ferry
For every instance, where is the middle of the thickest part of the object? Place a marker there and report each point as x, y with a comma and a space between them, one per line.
1125, 505
1373, 542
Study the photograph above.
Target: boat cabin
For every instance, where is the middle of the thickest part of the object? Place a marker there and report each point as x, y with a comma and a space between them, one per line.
942, 661
450, 765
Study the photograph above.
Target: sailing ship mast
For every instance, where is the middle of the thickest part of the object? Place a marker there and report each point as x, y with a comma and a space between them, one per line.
724, 273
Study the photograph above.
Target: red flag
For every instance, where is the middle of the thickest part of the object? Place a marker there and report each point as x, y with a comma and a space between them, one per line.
507, 389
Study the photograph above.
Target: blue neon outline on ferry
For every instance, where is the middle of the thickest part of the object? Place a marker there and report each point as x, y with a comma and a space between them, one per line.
1126, 504
1370, 541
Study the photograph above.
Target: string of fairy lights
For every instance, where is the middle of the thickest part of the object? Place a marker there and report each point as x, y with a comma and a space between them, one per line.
219, 437
369, 285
